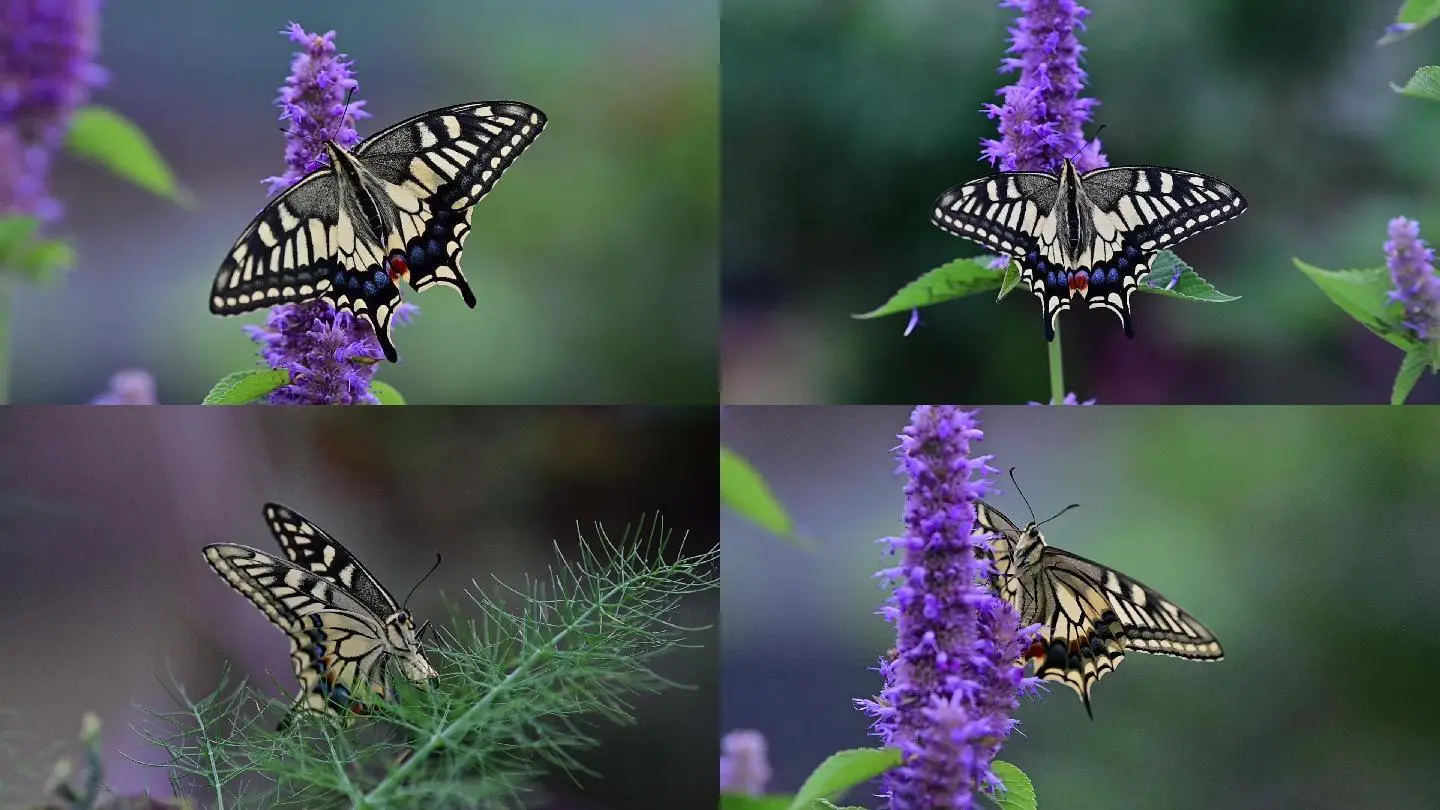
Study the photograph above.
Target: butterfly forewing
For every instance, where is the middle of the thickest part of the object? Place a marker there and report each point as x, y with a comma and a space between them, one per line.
343, 638
398, 206
1089, 615
1094, 235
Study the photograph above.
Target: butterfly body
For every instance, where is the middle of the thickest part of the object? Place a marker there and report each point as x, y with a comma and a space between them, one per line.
1090, 615
1089, 236
397, 206
346, 631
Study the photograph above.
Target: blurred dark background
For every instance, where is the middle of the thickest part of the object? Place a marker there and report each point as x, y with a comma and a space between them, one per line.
845, 119
104, 591
594, 260
1305, 538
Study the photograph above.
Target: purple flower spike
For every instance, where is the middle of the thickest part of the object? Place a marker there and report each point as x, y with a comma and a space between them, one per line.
330, 355
1043, 118
1412, 269
47, 69
313, 102
954, 678
744, 763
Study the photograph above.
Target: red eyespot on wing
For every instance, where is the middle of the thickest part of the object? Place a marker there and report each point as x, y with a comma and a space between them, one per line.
1079, 282
1036, 651
397, 267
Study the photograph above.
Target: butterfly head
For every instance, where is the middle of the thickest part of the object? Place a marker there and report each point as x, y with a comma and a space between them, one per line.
404, 637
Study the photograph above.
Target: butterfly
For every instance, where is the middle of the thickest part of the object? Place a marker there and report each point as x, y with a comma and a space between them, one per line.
345, 629
1091, 235
396, 207
1090, 615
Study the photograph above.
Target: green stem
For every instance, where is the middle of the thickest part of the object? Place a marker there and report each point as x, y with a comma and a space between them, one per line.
1057, 370
5, 291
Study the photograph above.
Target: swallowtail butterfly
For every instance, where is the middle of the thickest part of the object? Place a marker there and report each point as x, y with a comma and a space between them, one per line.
1092, 235
396, 207
1090, 615
346, 631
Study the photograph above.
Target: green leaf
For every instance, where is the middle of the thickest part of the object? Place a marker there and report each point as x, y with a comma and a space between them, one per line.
104, 136
1414, 15
34, 258
244, 387
844, 770
744, 801
16, 235
1190, 286
386, 393
1010, 282
1414, 364
744, 489
956, 279
1424, 84
1019, 793
1364, 296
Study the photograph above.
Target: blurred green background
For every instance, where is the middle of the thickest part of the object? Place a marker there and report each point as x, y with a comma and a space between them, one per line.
1305, 538
844, 120
594, 261
105, 598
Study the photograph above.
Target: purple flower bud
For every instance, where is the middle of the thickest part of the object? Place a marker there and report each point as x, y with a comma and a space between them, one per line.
47, 69
1043, 118
955, 676
1070, 399
1412, 270
130, 387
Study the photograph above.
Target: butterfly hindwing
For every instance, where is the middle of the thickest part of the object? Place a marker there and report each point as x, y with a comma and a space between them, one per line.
1089, 615
1094, 236
398, 206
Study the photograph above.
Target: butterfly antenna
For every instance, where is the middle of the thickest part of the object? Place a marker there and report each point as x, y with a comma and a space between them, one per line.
422, 579
1058, 514
1022, 494
1086, 145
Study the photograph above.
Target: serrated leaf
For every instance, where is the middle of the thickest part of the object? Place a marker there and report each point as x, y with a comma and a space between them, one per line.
745, 490
386, 393
109, 139
947, 282
1019, 793
1414, 364
842, 771
1010, 282
244, 387
1189, 286
1424, 84
1414, 15
1364, 296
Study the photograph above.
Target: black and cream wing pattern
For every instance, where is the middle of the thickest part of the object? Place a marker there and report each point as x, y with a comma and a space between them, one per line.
346, 631
398, 206
1090, 615
1093, 236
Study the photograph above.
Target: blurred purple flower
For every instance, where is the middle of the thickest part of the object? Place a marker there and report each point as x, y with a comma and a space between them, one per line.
1043, 118
1412, 270
744, 763
129, 387
954, 678
330, 355
1070, 399
47, 69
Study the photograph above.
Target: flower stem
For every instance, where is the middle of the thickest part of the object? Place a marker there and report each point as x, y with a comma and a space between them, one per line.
1057, 370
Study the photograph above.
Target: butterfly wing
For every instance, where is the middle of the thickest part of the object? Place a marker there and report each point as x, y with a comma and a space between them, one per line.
1093, 615
435, 167
1133, 212
337, 646
309, 547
